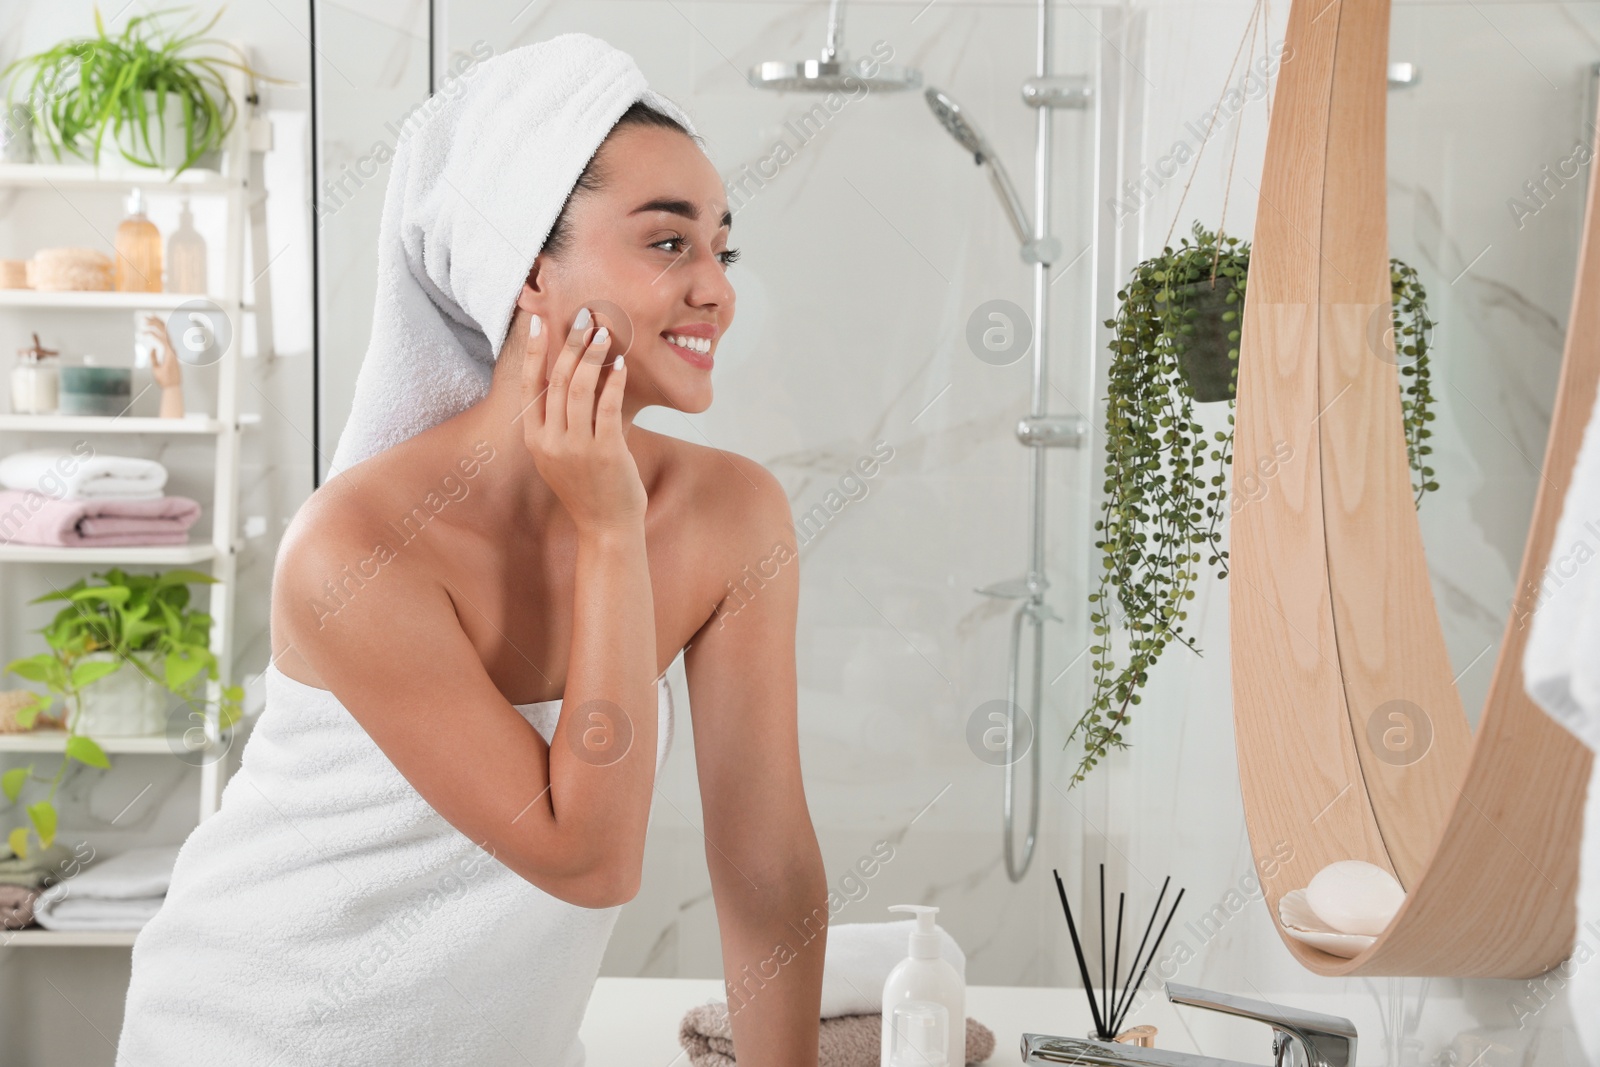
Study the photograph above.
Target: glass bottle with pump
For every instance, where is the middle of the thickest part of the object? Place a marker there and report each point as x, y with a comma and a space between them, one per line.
138, 266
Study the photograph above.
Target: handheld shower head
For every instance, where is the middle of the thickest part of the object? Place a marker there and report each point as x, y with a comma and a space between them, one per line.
955, 120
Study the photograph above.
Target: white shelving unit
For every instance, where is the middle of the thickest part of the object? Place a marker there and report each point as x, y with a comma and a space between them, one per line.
238, 180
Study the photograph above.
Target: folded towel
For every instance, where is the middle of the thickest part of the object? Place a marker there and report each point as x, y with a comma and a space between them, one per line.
119, 893
40, 867
31, 519
63, 475
457, 237
706, 1034
860, 957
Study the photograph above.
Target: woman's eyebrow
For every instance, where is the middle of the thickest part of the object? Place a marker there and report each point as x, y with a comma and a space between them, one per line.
677, 206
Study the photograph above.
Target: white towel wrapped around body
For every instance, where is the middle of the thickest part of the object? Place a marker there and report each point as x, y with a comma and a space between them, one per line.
63, 475
472, 196
119, 893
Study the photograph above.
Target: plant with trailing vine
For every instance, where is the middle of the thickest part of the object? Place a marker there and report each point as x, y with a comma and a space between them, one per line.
1166, 479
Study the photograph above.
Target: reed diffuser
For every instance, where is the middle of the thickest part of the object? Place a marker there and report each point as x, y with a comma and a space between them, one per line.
1111, 1006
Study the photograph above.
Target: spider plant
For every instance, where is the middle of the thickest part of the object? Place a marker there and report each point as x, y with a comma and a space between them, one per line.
84, 86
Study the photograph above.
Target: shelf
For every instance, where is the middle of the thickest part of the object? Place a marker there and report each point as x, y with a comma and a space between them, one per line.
85, 176
196, 552
56, 741
107, 300
107, 424
38, 936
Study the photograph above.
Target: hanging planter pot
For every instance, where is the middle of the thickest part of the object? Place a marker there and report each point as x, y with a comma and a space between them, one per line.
1206, 345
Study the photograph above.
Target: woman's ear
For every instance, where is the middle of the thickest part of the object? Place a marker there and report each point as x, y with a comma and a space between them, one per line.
528, 296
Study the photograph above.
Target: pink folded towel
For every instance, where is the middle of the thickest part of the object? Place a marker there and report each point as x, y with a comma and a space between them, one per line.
31, 518
706, 1034
16, 905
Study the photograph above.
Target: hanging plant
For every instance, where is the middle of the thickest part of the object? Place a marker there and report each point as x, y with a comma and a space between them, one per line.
1176, 343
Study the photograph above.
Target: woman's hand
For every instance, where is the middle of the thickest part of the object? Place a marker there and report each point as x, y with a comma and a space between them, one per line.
575, 436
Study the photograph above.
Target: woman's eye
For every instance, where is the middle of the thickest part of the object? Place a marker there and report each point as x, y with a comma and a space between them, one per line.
728, 257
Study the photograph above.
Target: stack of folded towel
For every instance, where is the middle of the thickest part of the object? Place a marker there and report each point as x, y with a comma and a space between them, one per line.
49, 496
858, 961
22, 880
120, 893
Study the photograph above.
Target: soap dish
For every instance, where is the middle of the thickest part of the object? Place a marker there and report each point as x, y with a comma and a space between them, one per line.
1302, 924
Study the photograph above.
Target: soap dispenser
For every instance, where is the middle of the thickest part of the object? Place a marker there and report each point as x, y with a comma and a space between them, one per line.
924, 1002
138, 247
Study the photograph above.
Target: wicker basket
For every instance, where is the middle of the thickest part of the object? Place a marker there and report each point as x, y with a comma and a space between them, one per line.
13, 702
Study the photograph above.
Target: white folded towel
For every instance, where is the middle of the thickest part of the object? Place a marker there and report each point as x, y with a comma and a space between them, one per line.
119, 893
1562, 674
473, 191
63, 475
860, 957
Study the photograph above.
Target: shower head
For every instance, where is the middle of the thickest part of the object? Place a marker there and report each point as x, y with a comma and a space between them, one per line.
834, 71
967, 133
952, 118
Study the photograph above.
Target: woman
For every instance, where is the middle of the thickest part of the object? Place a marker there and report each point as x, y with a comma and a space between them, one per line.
424, 878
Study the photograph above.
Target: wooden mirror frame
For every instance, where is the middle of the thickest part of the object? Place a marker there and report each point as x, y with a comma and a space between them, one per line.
1351, 738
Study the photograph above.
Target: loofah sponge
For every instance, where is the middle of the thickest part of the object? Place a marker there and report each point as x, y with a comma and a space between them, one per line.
13, 702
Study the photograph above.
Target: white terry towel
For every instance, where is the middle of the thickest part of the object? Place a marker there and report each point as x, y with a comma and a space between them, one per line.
119, 893
860, 957
473, 191
1561, 672
63, 475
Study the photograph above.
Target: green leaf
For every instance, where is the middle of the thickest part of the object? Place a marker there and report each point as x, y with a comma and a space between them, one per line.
91, 671
13, 780
85, 750
43, 816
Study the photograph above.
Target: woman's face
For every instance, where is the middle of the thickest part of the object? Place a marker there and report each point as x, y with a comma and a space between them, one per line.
648, 257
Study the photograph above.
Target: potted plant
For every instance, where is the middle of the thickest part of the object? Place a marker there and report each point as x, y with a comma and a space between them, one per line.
84, 87
1175, 344
133, 638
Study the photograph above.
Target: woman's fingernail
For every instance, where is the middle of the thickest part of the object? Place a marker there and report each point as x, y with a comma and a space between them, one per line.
582, 321
601, 336
534, 327
618, 365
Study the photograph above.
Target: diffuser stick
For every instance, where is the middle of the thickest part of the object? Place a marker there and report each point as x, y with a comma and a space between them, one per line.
1105, 1003
1154, 913
1116, 963
1134, 988
1077, 948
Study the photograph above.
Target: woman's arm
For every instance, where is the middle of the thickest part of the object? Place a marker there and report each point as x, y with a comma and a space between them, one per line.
766, 869
569, 818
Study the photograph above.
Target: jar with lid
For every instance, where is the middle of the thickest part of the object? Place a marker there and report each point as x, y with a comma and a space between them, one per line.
36, 381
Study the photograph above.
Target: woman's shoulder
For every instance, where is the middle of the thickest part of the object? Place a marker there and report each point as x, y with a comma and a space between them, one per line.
702, 485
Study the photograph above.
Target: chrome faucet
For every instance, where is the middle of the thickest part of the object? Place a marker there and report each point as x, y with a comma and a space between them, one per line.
1299, 1038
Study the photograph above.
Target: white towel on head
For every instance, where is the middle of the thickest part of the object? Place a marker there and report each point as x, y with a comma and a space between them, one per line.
474, 188
63, 475
120, 893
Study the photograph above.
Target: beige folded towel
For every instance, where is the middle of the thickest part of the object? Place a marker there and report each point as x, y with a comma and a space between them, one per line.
842, 1041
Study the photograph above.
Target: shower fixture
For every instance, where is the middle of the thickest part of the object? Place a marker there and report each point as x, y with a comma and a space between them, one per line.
1039, 430
965, 131
834, 71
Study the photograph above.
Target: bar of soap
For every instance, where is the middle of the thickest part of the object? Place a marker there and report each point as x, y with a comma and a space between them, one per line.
1355, 897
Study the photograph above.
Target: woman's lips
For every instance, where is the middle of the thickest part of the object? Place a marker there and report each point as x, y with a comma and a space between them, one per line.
690, 356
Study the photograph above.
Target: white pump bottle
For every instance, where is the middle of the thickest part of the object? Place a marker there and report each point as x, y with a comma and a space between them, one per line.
924, 1002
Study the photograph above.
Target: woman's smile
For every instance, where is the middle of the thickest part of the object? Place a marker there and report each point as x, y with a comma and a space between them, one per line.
693, 342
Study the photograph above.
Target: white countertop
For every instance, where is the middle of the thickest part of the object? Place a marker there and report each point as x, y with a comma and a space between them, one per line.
633, 1022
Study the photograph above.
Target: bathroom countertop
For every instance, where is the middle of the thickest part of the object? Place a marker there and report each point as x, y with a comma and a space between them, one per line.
633, 1022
